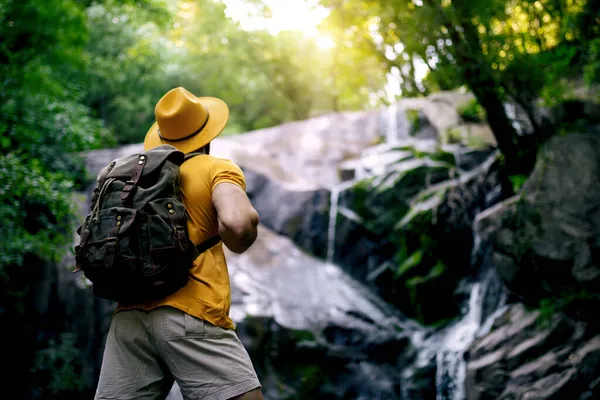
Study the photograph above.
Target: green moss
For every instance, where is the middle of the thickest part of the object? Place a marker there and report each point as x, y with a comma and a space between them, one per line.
567, 301
310, 378
518, 181
294, 225
360, 195
300, 335
429, 283
472, 112
435, 272
476, 142
414, 121
453, 135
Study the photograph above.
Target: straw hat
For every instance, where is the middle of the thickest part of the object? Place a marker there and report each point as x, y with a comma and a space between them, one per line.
185, 121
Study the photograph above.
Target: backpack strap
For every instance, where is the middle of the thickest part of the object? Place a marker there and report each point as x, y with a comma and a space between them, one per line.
207, 244
100, 184
129, 189
192, 155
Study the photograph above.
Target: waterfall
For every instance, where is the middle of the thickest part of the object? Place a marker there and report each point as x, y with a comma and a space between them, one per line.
396, 127
333, 211
391, 134
451, 367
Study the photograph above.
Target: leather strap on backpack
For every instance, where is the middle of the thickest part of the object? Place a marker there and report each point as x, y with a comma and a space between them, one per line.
128, 190
111, 245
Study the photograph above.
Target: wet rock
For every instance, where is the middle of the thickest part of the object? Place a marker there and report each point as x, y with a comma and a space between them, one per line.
408, 232
421, 127
311, 330
547, 240
523, 358
300, 213
308, 151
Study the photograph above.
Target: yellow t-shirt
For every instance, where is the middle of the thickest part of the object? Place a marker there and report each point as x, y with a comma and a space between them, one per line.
207, 295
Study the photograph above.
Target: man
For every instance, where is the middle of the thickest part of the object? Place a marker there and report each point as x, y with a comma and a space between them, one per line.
188, 336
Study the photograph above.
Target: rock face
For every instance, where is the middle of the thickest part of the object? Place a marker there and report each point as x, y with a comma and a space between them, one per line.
521, 359
547, 240
296, 212
408, 232
312, 331
292, 169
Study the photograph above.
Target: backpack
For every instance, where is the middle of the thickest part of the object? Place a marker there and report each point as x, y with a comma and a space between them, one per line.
134, 244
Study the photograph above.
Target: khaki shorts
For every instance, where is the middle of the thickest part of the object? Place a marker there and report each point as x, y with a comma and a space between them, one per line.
147, 350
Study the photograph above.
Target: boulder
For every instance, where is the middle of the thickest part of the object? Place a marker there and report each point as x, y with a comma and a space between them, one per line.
299, 212
547, 239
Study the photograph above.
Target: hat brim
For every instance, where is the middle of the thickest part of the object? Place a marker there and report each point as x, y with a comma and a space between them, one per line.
218, 114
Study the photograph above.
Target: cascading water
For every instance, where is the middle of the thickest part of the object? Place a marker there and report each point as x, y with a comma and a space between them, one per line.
451, 367
396, 127
446, 347
333, 212
457, 338
391, 134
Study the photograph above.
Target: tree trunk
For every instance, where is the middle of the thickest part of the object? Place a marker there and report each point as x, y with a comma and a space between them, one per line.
477, 74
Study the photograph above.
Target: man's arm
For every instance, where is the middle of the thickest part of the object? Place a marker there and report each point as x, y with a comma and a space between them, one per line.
238, 220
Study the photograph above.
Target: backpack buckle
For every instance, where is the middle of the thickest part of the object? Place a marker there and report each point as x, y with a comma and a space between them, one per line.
128, 186
127, 191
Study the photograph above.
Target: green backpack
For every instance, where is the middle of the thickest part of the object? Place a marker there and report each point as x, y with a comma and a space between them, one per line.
134, 244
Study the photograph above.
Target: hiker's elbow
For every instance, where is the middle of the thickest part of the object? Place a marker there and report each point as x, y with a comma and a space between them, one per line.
239, 233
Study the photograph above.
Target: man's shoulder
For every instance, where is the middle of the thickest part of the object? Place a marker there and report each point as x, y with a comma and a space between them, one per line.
206, 159
211, 164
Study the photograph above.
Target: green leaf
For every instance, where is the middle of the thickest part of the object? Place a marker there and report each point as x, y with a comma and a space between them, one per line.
411, 262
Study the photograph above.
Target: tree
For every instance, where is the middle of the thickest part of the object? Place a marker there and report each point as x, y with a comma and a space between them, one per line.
42, 126
517, 50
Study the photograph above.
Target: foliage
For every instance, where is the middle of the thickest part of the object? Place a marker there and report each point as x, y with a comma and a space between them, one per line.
43, 128
414, 120
43, 125
396, 208
265, 79
518, 50
517, 182
472, 112
569, 301
127, 68
35, 208
59, 362
592, 69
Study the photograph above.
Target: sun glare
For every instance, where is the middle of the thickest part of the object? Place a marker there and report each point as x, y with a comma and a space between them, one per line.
325, 42
286, 15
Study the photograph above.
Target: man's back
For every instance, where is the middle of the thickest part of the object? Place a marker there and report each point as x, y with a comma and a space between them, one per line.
207, 294
188, 336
